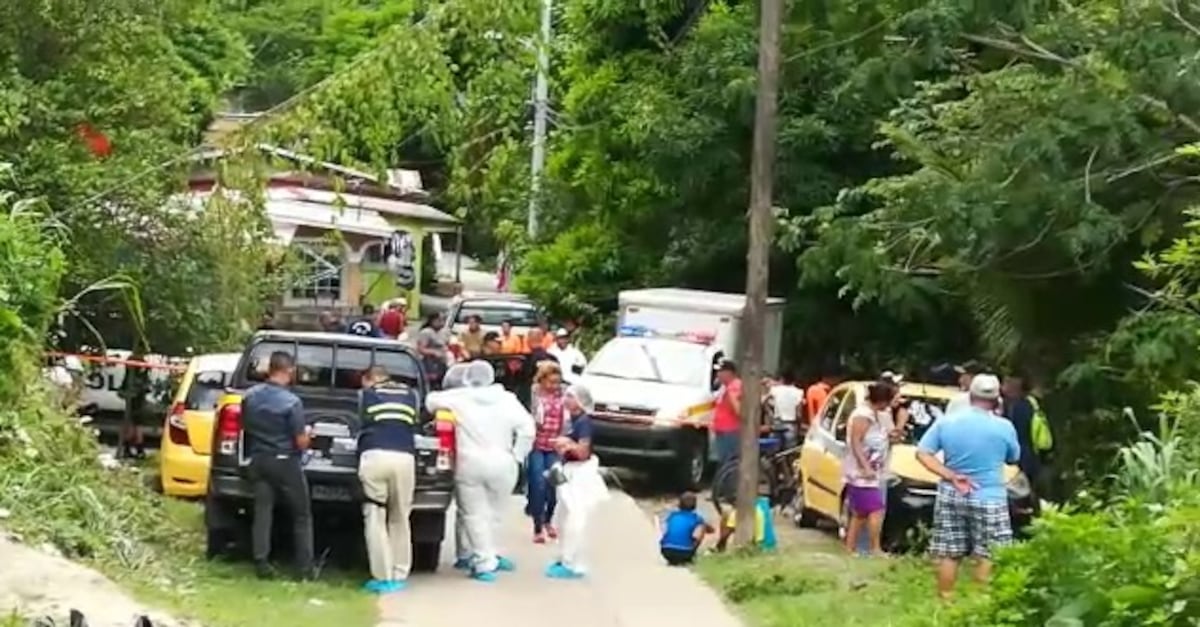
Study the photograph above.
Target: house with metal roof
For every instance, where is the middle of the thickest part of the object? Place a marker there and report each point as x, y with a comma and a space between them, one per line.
362, 238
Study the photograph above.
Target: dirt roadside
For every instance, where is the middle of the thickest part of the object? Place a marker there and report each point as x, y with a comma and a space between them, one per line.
36, 583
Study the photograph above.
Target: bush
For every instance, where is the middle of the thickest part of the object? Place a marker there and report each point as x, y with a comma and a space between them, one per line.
1130, 560
30, 268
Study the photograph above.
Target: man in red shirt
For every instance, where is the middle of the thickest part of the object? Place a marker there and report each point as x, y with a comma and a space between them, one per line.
727, 414
391, 321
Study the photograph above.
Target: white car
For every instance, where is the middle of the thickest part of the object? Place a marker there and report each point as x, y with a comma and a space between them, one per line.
493, 310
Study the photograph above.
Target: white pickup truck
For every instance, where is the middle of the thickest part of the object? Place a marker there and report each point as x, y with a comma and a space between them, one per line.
654, 383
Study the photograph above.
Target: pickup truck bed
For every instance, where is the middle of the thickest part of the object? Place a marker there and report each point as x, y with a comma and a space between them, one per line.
331, 466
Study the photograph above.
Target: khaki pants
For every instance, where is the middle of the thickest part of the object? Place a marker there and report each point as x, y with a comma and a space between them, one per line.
388, 480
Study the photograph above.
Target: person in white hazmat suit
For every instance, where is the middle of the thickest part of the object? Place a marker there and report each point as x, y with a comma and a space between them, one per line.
578, 484
462, 544
493, 432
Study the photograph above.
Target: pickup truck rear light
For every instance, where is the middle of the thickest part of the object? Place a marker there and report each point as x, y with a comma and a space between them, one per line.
229, 428
444, 428
176, 427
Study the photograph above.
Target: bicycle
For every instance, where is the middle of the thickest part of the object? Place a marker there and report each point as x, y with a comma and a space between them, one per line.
776, 473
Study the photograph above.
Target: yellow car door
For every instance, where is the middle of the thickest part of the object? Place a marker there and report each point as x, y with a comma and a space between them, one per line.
820, 458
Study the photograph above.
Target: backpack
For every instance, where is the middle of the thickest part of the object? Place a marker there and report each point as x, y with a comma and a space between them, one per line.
1039, 431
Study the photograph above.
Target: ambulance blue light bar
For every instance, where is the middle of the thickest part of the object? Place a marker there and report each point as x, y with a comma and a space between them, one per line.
696, 337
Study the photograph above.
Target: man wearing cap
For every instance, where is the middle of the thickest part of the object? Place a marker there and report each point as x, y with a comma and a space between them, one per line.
727, 414
570, 358
965, 373
971, 514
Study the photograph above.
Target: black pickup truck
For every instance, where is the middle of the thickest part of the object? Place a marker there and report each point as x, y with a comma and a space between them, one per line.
329, 370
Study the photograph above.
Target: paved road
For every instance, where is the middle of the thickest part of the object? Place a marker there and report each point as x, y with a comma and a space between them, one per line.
629, 586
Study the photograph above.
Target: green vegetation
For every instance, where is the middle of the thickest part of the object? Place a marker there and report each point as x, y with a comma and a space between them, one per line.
815, 583
1007, 179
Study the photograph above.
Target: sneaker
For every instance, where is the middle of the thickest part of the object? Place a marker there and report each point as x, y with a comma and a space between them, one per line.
487, 577
552, 531
558, 571
462, 563
504, 564
539, 537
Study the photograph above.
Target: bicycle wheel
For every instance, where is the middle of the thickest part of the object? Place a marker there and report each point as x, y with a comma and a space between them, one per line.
724, 485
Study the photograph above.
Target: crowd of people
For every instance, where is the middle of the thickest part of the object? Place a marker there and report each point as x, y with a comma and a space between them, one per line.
988, 424
496, 436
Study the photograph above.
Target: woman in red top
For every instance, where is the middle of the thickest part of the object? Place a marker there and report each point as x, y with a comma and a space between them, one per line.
550, 416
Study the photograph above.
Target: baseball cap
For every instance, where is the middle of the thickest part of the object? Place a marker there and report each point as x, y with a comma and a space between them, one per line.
985, 386
891, 377
561, 332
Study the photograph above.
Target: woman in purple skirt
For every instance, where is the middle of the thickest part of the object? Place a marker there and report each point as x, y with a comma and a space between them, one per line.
863, 466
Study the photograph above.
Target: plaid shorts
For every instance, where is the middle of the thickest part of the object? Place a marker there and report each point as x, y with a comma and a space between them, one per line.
967, 526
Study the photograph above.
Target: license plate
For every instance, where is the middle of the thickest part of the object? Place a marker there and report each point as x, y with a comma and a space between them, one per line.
331, 493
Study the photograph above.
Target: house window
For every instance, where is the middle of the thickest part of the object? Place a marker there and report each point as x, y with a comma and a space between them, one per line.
375, 254
321, 274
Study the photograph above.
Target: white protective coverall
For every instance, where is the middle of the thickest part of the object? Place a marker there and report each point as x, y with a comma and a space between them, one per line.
578, 497
493, 432
462, 544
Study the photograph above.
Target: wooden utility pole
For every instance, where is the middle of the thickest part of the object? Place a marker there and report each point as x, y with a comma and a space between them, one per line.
761, 220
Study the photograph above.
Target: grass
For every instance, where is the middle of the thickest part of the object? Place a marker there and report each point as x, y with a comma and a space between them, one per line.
812, 582
229, 595
56, 492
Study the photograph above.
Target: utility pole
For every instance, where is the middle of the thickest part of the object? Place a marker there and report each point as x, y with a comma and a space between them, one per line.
540, 112
760, 218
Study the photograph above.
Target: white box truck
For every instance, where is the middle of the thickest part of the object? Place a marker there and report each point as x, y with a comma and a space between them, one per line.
653, 383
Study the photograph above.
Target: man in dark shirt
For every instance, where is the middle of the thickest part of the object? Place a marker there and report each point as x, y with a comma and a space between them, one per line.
366, 326
1019, 411
388, 472
276, 435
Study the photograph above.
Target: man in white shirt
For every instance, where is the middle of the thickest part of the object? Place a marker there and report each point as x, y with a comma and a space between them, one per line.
786, 398
570, 359
962, 400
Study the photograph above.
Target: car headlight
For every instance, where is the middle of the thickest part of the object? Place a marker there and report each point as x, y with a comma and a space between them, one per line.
1018, 487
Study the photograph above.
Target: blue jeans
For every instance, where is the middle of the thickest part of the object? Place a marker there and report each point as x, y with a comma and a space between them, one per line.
864, 538
541, 497
726, 445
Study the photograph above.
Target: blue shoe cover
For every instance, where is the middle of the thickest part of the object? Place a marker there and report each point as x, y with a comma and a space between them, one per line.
462, 563
505, 565
558, 571
487, 577
376, 586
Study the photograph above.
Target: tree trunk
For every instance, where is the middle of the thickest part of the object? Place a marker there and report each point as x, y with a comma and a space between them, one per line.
761, 219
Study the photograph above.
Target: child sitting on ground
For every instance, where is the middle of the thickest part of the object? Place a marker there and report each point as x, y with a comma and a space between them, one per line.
764, 527
683, 531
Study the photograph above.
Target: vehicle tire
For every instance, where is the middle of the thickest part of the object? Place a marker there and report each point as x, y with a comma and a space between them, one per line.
227, 533
802, 516
689, 469
426, 557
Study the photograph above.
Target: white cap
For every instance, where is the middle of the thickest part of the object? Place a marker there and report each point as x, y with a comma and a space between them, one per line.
985, 386
561, 332
888, 375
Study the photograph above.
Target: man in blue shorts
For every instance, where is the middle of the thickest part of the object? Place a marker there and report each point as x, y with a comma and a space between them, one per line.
971, 514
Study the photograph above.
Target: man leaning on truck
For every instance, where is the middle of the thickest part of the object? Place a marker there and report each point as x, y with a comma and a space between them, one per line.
388, 471
275, 438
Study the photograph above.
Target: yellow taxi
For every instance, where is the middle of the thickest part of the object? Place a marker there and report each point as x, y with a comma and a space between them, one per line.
186, 448
911, 487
